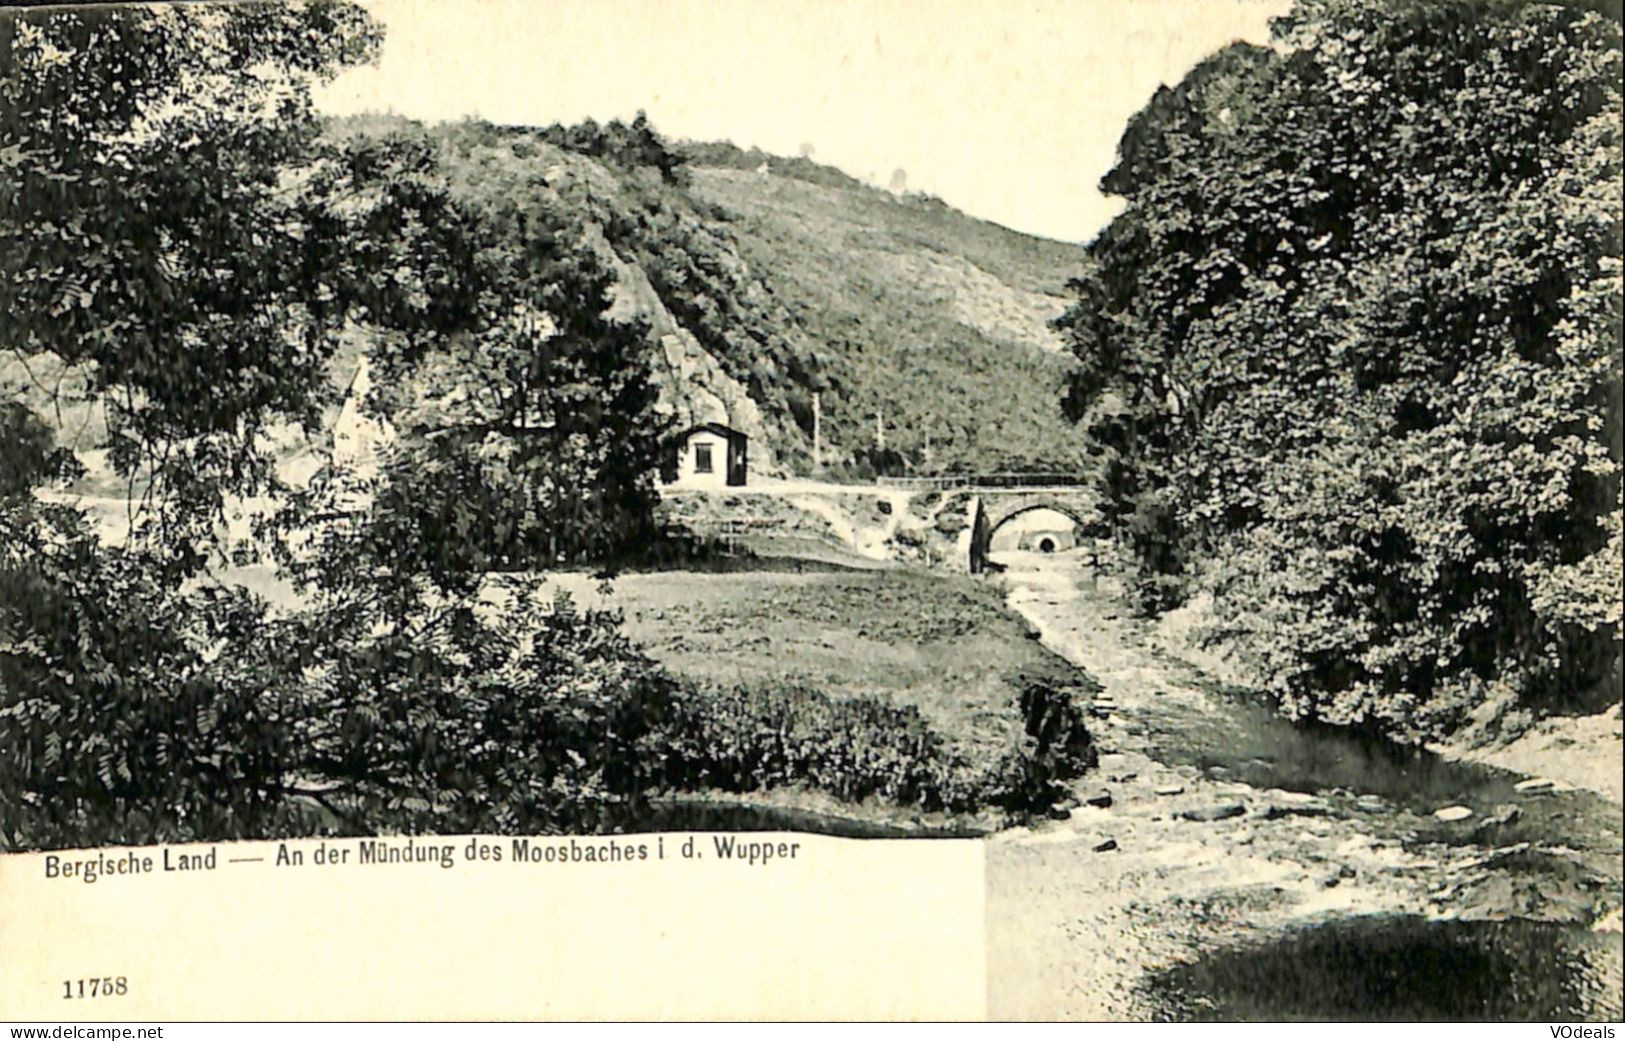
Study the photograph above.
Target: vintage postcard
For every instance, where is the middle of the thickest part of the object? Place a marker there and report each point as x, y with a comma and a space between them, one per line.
801, 510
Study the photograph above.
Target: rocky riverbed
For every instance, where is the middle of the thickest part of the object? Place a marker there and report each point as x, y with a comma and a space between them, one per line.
1224, 864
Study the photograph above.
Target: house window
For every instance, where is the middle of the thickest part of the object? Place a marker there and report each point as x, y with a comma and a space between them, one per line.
702, 459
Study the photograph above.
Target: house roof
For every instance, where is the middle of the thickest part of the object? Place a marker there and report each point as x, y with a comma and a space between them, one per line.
712, 428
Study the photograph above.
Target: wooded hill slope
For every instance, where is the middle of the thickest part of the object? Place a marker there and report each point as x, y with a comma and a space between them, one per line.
767, 280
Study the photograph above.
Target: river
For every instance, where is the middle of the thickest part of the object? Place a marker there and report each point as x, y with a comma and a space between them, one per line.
1242, 867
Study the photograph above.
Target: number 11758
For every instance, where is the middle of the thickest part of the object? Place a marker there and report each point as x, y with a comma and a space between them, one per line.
95, 987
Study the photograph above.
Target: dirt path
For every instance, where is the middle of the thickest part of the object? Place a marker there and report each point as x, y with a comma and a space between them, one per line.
1180, 859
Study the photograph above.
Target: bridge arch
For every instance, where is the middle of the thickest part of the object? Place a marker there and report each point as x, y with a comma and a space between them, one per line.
992, 510
1041, 527
1000, 513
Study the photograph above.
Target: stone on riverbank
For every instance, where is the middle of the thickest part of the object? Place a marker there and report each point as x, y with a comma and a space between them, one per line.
1272, 811
1208, 814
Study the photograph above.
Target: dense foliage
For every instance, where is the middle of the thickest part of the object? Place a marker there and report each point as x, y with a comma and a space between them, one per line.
150, 242
184, 252
750, 738
529, 435
1353, 347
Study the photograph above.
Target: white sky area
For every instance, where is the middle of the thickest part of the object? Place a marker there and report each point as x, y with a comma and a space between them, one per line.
1008, 110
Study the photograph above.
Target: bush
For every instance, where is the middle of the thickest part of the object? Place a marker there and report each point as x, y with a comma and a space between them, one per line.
744, 739
132, 713
516, 720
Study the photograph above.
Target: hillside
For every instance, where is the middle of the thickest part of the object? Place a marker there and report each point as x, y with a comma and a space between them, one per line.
924, 330
933, 319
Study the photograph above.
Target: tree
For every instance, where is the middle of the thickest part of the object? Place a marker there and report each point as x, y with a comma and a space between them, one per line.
633, 147
155, 237
530, 434
163, 266
183, 249
1351, 352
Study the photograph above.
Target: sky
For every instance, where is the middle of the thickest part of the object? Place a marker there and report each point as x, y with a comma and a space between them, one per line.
1007, 109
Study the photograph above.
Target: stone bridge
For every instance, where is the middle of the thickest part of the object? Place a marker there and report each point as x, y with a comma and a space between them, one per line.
1001, 497
993, 507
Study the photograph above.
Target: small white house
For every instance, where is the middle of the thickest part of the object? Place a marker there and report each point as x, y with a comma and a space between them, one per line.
710, 455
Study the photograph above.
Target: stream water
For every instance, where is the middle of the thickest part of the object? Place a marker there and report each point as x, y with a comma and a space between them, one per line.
680, 814
1544, 862
1247, 741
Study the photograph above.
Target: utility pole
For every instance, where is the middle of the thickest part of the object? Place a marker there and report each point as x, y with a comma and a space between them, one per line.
818, 435
880, 429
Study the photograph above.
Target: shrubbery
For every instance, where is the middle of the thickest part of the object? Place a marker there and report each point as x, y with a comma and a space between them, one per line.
138, 714
745, 739
132, 713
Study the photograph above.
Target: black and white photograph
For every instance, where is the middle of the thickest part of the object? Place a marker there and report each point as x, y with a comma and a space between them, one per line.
1169, 448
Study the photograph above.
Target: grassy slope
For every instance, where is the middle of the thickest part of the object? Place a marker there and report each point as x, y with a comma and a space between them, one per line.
934, 318
945, 645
